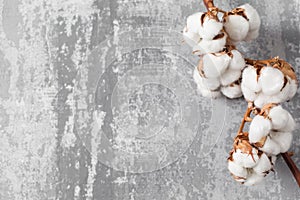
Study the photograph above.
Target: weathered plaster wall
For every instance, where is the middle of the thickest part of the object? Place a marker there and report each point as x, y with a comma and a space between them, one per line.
97, 102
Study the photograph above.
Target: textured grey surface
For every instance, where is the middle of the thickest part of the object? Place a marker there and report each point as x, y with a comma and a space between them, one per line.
68, 70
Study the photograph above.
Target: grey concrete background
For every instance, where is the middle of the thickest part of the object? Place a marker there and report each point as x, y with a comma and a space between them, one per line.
61, 61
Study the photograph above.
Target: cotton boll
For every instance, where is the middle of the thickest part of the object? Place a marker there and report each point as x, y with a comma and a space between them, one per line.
193, 22
237, 170
210, 28
290, 125
259, 127
263, 166
244, 159
249, 95
253, 16
237, 61
252, 35
191, 38
253, 179
210, 46
249, 78
236, 27
270, 147
271, 80
215, 65
279, 117
230, 76
232, 91
283, 139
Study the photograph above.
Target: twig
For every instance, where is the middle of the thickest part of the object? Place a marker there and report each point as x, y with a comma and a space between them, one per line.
246, 117
208, 4
294, 169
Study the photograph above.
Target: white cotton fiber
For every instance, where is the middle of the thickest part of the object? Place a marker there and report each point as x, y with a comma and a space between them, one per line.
244, 159
191, 38
290, 125
293, 88
253, 179
283, 139
210, 46
208, 93
253, 16
232, 91
249, 95
211, 83
215, 65
262, 100
236, 27
196, 76
279, 117
263, 166
249, 78
271, 80
251, 35
270, 147
237, 61
208, 83
210, 28
193, 22
230, 76
259, 127
237, 170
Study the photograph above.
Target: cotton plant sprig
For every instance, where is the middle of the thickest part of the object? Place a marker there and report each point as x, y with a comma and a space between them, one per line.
265, 84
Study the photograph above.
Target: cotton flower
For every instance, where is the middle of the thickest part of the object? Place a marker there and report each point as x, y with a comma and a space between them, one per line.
204, 33
273, 81
242, 23
236, 26
247, 164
